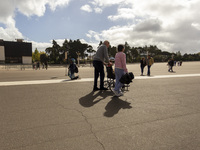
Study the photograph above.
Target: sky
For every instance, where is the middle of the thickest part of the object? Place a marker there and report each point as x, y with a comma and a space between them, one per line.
171, 25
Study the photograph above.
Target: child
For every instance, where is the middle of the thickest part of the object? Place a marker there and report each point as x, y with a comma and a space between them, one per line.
73, 69
120, 69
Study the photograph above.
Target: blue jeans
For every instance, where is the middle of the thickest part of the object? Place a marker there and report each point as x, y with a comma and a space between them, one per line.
118, 74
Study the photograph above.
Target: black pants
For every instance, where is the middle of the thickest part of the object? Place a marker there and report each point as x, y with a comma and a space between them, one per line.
98, 69
148, 71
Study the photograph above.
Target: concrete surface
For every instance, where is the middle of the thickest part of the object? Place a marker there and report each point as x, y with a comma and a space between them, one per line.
155, 114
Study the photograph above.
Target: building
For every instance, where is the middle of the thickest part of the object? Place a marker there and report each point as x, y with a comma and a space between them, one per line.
15, 52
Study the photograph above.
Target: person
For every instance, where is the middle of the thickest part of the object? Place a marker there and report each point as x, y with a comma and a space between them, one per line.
46, 65
149, 63
142, 65
72, 69
170, 64
98, 62
120, 69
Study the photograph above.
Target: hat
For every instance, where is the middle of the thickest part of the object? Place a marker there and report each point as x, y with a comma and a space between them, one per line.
73, 60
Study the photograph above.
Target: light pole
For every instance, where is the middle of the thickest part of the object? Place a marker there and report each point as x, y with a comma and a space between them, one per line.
78, 57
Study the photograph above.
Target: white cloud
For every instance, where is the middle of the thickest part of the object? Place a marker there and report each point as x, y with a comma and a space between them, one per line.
98, 10
86, 8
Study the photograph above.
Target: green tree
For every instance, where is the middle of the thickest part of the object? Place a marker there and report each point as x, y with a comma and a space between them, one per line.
36, 55
54, 52
43, 57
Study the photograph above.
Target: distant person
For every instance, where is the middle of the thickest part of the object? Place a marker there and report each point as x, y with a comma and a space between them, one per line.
181, 63
142, 65
149, 62
46, 65
98, 62
73, 69
171, 64
120, 69
38, 65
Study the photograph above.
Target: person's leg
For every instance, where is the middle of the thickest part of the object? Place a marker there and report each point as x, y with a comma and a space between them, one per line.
96, 74
118, 74
148, 72
102, 75
142, 70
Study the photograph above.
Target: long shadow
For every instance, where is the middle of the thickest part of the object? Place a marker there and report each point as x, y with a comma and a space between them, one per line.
113, 107
91, 99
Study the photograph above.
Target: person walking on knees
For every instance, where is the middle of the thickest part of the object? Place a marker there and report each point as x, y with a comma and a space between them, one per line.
98, 63
120, 69
149, 63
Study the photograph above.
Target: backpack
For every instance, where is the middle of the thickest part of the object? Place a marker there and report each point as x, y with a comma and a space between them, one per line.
127, 78
76, 69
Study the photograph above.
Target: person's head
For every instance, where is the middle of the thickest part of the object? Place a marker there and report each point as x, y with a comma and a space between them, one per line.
73, 60
149, 56
120, 48
107, 43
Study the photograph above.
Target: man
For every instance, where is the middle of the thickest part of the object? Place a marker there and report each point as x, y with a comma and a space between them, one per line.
98, 63
171, 64
149, 63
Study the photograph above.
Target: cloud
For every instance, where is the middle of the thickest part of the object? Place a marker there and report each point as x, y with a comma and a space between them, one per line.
172, 25
86, 8
28, 8
148, 25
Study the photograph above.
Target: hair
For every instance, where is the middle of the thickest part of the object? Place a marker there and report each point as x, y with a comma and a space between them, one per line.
106, 42
120, 47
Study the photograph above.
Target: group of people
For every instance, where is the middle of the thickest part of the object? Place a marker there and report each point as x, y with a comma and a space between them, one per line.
36, 65
101, 58
146, 62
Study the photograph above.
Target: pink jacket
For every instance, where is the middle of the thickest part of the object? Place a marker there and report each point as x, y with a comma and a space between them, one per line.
120, 61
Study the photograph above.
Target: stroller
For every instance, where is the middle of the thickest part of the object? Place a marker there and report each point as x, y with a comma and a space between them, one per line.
110, 81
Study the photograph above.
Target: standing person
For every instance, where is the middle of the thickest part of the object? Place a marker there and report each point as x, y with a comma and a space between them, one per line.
142, 65
171, 64
149, 63
98, 63
120, 69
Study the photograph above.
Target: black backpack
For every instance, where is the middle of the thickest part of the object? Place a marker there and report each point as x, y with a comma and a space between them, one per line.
76, 69
127, 78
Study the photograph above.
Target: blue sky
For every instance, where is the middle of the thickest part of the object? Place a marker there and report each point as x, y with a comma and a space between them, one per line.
172, 25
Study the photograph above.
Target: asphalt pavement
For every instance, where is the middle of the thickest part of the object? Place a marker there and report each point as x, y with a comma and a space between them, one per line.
44, 110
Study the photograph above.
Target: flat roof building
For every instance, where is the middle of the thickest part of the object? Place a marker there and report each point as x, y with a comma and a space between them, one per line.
15, 52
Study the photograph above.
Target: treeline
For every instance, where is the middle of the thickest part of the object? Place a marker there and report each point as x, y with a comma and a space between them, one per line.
74, 48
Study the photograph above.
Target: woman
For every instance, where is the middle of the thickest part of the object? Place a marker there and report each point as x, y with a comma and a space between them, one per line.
120, 69
142, 65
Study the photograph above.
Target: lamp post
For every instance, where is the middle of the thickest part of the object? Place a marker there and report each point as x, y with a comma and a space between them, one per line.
66, 63
78, 53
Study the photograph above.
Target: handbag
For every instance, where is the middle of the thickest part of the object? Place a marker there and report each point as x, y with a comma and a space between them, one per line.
127, 78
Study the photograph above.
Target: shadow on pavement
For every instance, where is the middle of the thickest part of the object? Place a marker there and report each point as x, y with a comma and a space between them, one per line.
113, 107
93, 98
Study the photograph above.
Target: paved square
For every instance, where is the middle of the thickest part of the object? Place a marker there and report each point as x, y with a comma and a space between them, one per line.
43, 110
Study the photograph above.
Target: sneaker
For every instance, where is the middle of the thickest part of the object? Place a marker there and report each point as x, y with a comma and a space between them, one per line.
115, 92
120, 94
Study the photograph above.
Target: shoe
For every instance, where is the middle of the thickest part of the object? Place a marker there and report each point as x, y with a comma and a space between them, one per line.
120, 94
95, 89
115, 92
103, 88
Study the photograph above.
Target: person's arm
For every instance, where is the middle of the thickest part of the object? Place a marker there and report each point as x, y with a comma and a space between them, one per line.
106, 55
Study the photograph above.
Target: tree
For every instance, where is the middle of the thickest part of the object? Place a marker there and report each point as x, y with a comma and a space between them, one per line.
43, 57
53, 53
36, 55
